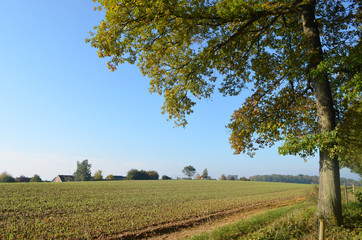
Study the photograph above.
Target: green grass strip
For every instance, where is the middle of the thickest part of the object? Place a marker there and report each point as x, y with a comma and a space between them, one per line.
295, 225
238, 229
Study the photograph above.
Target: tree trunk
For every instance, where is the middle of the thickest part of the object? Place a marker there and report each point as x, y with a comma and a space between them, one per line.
329, 201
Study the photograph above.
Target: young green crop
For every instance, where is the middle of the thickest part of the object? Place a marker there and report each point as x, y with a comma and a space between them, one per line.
101, 209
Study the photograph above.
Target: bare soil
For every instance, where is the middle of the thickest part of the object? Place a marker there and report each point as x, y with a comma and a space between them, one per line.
190, 227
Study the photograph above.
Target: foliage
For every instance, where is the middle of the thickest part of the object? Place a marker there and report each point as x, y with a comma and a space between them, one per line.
36, 178
22, 178
98, 175
185, 46
189, 171
351, 135
197, 176
295, 56
350, 129
359, 196
292, 222
135, 174
244, 229
7, 179
294, 226
223, 177
83, 172
153, 175
350, 182
205, 174
165, 177
306, 179
2, 175
286, 178
99, 209
110, 177
244, 179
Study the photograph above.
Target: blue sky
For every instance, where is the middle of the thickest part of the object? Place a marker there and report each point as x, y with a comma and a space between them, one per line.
59, 104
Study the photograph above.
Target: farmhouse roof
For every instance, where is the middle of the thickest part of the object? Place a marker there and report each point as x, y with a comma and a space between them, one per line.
64, 178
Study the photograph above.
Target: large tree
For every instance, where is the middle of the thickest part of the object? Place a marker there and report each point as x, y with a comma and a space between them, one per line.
189, 171
83, 172
294, 55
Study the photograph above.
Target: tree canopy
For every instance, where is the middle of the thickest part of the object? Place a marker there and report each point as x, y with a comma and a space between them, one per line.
98, 175
83, 172
298, 58
153, 175
36, 178
22, 178
205, 174
185, 46
8, 179
189, 171
135, 174
110, 177
165, 177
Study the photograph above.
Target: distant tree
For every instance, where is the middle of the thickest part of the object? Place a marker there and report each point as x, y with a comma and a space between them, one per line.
7, 179
244, 179
205, 174
98, 175
110, 177
232, 178
36, 178
189, 171
165, 177
83, 172
22, 178
143, 175
197, 176
2, 175
153, 175
134, 174
222, 177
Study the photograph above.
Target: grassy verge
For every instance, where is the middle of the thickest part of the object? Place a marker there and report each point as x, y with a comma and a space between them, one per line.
292, 222
352, 228
250, 225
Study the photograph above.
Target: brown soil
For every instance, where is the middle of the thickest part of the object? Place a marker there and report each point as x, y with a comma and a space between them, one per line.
190, 227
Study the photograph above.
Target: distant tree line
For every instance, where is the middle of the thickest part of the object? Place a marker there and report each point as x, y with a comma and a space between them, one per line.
306, 179
135, 174
350, 182
7, 178
286, 178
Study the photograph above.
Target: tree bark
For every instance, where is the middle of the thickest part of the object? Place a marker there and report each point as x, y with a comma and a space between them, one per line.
329, 201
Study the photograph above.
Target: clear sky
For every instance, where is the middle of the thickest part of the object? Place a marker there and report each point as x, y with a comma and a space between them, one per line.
59, 104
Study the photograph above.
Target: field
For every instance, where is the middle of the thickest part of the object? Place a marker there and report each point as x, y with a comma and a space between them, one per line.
126, 209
